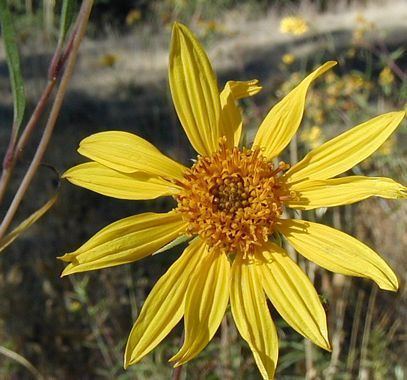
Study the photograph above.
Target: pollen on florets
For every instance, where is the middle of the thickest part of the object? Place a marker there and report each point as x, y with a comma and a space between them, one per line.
233, 198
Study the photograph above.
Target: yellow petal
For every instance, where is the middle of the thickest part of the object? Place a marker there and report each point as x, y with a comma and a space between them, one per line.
125, 241
128, 153
194, 90
293, 295
337, 252
103, 180
283, 120
231, 113
343, 191
205, 305
252, 316
164, 306
346, 150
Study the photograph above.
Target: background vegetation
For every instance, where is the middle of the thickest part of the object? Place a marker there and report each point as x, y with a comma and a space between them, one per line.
76, 327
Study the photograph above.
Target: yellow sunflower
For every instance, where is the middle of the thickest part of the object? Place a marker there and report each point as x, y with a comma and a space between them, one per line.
231, 202
294, 25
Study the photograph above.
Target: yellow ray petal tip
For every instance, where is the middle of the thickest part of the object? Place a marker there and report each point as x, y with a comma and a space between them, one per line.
392, 286
175, 359
175, 365
177, 27
331, 63
401, 114
69, 269
326, 66
129, 361
397, 116
328, 345
63, 274
179, 358
66, 272
126, 363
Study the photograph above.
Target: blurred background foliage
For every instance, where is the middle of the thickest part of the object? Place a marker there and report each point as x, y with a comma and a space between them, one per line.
76, 327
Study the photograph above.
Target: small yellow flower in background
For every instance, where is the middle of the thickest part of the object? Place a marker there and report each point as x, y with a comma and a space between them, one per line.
293, 25
351, 53
330, 77
312, 136
388, 147
354, 82
331, 101
341, 93
230, 203
133, 17
210, 26
288, 59
74, 306
358, 35
109, 59
363, 28
289, 84
363, 21
386, 77
318, 116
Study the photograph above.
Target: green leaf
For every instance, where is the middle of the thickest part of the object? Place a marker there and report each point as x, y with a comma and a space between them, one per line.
26, 223
13, 61
67, 14
179, 240
395, 55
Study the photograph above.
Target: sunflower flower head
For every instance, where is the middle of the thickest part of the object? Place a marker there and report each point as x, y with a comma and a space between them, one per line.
230, 206
233, 199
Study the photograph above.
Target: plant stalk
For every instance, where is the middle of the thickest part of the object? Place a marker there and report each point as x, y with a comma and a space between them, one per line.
15, 147
176, 373
83, 19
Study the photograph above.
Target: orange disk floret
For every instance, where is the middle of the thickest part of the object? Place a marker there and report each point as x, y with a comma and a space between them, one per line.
233, 199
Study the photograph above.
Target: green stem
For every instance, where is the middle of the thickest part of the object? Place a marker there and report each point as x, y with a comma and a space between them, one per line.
12, 156
15, 147
21, 360
49, 127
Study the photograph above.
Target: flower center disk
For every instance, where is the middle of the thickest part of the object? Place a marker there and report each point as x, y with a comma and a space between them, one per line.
232, 199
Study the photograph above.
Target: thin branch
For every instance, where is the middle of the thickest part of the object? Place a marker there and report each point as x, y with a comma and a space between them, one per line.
13, 152
15, 147
12, 156
49, 127
21, 360
364, 368
8, 164
309, 351
39, 109
177, 372
225, 354
354, 335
